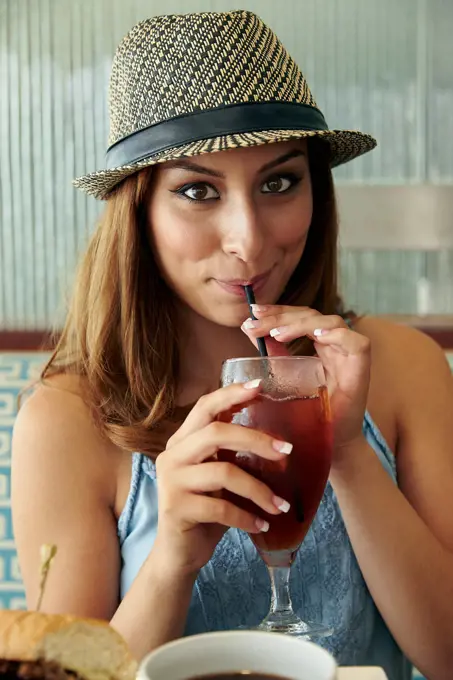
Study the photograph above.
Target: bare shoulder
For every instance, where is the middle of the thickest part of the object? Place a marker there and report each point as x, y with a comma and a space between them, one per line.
403, 349
415, 378
410, 377
56, 420
64, 486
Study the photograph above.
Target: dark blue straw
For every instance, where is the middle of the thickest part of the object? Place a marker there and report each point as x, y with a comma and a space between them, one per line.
251, 301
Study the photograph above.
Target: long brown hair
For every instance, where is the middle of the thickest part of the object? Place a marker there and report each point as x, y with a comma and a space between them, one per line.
120, 334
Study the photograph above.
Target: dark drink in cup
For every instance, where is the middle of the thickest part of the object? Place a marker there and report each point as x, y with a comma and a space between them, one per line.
292, 405
299, 478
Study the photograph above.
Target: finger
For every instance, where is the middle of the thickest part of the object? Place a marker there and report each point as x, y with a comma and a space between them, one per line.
203, 444
210, 406
297, 326
217, 476
274, 348
344, 340
262, 311
277, 316
207, 510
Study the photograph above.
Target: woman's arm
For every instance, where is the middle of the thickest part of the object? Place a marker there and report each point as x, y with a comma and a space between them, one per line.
403, 538
154, 610
63, 492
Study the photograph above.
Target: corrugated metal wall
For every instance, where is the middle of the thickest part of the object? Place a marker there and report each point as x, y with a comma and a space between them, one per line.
384, 66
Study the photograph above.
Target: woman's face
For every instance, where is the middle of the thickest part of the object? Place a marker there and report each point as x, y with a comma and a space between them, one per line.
222, 220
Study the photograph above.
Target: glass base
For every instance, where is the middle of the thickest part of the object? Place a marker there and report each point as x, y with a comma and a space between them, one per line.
290, 624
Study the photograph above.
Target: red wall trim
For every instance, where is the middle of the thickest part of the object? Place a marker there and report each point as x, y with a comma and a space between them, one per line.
444, 336
25, 341
28, 341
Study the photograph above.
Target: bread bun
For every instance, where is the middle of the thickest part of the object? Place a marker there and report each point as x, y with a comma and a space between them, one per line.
90, 648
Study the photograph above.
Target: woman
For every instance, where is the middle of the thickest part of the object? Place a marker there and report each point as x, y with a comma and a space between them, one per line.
199, 202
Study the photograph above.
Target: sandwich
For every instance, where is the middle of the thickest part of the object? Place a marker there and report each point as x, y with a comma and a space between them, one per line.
35, 646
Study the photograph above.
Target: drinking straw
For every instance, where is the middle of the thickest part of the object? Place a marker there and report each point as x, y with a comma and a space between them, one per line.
251, 301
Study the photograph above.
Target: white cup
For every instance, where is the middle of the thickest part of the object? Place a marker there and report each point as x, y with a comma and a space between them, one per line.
283, 656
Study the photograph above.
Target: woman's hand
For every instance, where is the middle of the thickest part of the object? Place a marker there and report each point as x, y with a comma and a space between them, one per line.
192, 515
344, 353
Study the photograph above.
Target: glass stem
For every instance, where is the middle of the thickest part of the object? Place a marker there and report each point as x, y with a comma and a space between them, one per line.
281, 599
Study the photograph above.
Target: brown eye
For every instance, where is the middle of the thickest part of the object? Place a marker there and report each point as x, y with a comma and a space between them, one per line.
275, 184
199, 192
279, 184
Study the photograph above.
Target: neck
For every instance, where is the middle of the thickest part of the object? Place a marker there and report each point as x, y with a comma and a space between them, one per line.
206, 345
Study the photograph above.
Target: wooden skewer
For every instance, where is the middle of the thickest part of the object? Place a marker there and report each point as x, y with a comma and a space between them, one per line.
48, 553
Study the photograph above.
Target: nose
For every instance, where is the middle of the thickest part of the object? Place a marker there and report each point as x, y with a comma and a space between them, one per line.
244, 232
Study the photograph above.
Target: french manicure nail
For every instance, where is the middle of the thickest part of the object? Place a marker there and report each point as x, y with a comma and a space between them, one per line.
320, 331
281, 504
282, 447
262, 525
252, 384
274, 332
250, 323
259, 308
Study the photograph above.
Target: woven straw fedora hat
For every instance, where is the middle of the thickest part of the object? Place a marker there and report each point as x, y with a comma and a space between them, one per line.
185, 85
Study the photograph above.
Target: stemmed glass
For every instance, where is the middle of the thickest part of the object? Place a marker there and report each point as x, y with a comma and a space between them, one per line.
293, 406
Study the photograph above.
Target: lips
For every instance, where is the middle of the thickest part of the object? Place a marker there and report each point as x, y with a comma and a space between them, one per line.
245, 282
236, 286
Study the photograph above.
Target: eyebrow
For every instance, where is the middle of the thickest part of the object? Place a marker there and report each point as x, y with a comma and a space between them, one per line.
185, 164
295, 153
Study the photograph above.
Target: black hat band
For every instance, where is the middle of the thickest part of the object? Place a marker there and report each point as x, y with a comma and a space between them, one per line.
228, 120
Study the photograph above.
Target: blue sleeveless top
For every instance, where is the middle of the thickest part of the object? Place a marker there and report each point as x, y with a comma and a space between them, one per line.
233, 589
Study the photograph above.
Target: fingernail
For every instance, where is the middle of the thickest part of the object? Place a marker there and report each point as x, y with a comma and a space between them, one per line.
281, 504
252, 384
320, 331
259, 308
282, 447
274, 332
250, 323
262, 525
